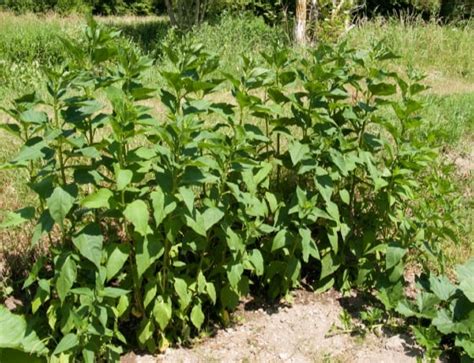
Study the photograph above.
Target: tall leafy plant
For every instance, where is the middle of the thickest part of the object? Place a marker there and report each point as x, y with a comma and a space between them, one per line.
158, 226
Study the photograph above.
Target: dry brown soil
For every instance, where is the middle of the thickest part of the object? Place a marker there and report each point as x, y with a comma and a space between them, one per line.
292, 333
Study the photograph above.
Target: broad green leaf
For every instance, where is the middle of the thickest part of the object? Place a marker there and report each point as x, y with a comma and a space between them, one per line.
333, 238
442, 287
328, 266
181, 288
34, 117
66, 278
145, 331
298, 152
308, 245
137, 213
16, 334
9, 355
256, 259
99, 199
149, 294
233, 240
59, 205
279, 241
113, 292
466, 279
188, 197
158, 203
234, 274
395, 253
345, 197
118, 255
123, 177
211, 291
229, 297
382, 89
444, 322
68, 342
13, 329
162, 312
465, 342
89, 243
18, 217
211, 216
197, 316
148, 250
41, 295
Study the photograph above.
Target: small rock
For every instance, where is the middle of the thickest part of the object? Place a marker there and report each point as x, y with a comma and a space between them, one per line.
395, 343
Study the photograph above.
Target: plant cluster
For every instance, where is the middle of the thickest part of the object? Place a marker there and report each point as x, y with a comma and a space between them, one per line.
157, 226
443, 312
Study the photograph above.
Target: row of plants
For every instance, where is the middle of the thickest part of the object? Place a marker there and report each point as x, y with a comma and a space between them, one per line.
297, 169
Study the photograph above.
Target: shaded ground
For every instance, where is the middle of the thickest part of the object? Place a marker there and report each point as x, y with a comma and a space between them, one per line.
296, 333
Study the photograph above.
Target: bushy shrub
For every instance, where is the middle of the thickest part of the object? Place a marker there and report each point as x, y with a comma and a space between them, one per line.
157, 227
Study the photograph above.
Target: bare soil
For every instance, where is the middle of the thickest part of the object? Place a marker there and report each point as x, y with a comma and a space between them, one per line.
300, 332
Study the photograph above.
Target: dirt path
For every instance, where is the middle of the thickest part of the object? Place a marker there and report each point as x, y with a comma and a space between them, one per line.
296, 333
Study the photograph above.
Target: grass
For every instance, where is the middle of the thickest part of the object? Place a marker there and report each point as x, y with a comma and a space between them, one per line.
444, 53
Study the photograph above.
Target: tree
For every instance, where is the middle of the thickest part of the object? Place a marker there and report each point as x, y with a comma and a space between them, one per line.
184, 14
300, 23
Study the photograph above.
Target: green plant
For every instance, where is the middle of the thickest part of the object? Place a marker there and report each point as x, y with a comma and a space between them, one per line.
443, 311
156, 227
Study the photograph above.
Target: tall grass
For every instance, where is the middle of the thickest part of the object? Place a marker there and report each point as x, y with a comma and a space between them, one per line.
428, 46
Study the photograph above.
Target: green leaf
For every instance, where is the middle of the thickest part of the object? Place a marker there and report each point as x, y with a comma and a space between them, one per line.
68, 342
298, 152
345, 197
15, 333
188, 197
181, 288
118, 255
13, 329
308, 245
18, 217
256, 259
137, 213
442, 287
158, 203
66, 278
211, 216
466, 279
234, 274
395, 253
59, 205
89, 243
162, 312
444, 322
99, 199
466, 343
34, 117
211, 292
148, 250
145, 331
113, 292
123, 177
234, 242
382, 89
197, 316
280, 240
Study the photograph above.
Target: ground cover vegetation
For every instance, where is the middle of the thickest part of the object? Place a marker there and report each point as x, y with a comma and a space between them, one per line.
314, 167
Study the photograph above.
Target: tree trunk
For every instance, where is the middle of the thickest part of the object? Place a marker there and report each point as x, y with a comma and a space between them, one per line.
313, 19
170, 10
300, 24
